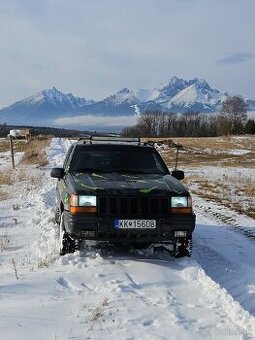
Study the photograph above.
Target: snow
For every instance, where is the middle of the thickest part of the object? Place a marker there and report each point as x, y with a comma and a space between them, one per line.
103, 293
196, 94
123, 96
34, 99
56, 98
146, 95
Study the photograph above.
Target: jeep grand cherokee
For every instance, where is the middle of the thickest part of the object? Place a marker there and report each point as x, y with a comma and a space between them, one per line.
120, 190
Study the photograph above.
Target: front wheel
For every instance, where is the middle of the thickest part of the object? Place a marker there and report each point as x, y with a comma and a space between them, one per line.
66, 243
183, 247
57, 215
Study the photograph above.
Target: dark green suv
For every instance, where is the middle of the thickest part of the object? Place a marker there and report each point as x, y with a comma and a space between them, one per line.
120, 190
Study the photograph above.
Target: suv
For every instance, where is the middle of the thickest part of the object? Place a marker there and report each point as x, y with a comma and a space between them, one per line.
120, 190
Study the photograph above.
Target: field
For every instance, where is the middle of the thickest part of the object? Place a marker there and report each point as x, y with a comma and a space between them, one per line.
220, 170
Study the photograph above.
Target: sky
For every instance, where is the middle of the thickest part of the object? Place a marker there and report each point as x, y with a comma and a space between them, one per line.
94, 48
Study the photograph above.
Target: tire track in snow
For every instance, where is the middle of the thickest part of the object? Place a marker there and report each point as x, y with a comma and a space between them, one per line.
227, 257
45, 201
211, 211
191, 296
176, 292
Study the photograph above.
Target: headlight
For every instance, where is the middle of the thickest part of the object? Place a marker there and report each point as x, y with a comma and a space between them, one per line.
83, 201
87, 201
180, 202
83, 204
181, 205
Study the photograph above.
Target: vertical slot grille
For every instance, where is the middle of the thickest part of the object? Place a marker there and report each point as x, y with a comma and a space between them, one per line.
138, 207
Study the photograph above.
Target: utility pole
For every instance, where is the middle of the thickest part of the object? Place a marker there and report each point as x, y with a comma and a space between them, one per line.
178, 147
12, 152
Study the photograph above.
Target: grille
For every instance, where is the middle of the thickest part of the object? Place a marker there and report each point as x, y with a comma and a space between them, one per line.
133, 206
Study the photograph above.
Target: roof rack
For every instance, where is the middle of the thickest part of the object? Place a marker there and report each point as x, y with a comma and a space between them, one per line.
111, 139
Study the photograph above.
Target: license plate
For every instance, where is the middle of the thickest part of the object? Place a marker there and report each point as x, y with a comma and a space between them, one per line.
135, 224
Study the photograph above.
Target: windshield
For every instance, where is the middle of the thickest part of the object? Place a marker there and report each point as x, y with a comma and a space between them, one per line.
118, 158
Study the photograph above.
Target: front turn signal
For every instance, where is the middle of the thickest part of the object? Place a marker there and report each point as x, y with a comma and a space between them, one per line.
186, 210
82, 210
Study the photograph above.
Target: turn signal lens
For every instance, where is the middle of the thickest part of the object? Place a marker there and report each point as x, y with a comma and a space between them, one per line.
181, 210
83, 204
82, 210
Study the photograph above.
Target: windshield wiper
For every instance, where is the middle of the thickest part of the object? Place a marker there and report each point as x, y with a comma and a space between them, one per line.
91, 170
129, 171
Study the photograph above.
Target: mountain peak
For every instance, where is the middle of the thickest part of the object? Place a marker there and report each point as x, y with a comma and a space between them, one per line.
171, 88
123, 96
124, 90
175, 80
52, 91
54, 96
200, 83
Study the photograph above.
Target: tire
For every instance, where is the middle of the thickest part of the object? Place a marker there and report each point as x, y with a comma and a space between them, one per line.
66, 243
183, 248
57, 215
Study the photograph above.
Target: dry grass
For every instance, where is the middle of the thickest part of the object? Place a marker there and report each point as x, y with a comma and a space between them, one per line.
3, 196
34, 152
236, 192
98, 312
217, 151
43, 263
233, 190
10, 177
223, 143
6, 177
18, 145
4, 238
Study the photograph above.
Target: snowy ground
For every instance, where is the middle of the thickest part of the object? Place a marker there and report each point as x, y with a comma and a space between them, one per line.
94, 295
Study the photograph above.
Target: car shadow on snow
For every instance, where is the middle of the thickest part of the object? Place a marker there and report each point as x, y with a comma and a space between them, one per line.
226, 254
159, 256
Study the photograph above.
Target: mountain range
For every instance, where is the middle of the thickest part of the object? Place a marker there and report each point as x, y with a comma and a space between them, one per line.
177, 96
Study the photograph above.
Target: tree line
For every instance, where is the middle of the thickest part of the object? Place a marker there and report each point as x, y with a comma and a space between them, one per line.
37, 130
232, 119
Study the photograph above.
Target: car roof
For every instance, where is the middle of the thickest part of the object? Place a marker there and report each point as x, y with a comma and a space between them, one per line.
106, 140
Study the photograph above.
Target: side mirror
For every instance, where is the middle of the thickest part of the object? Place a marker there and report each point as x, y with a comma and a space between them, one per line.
178, 174
57, 173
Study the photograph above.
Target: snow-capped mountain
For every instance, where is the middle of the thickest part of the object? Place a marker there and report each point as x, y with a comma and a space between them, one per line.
169, 90
196, 96
54, 98
58, 98
162, 92
176, 96
124, 96
42, 107
121, 103
180, 96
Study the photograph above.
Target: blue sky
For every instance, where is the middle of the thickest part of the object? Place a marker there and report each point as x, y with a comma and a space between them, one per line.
93, 48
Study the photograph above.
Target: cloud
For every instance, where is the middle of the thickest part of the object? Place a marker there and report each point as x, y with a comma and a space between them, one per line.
94, 48
90, 120
235, 58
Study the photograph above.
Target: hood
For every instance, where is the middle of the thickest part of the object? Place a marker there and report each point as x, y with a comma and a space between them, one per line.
119, 184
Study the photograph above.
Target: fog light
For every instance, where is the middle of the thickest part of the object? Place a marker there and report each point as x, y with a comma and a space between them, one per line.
88, 233
180, 233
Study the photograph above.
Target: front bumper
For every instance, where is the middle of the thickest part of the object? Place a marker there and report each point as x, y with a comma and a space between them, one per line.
102, 228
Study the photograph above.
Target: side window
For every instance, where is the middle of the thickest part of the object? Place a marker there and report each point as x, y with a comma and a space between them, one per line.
68, 158
158, 164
